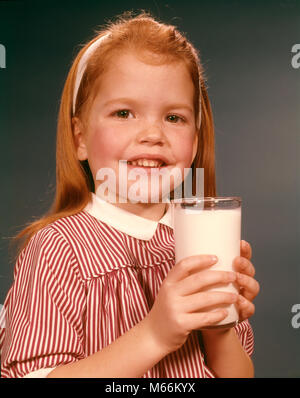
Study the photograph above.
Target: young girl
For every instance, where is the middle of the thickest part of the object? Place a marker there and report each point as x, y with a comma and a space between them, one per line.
96, 290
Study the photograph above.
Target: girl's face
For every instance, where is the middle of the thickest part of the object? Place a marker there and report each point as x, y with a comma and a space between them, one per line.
140, 111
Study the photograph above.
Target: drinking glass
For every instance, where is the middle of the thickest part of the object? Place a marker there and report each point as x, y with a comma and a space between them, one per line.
210, 225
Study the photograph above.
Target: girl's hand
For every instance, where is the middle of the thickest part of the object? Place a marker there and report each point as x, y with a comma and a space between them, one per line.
182, 304
248, 286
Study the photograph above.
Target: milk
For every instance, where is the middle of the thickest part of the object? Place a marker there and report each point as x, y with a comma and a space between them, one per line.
210, 231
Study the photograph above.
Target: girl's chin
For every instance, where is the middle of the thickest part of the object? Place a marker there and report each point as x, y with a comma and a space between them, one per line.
136, 197
136, 194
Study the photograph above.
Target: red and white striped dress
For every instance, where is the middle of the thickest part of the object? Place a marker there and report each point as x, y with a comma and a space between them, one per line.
83, 281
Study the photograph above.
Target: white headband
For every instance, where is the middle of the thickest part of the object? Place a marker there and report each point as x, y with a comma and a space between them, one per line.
82, 67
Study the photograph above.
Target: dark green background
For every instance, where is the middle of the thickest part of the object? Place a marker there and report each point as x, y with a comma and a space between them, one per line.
246, 50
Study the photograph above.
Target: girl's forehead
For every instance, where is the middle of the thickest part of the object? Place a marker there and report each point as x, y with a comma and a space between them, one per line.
127, 69
150, 91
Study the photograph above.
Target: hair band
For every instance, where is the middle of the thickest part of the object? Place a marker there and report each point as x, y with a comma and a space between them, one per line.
82, 66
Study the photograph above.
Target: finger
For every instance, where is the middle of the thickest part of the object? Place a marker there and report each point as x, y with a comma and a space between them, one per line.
249, 286
204, 279
190, 265
244, 266
201, 320
245, 308
246, 250
204, 301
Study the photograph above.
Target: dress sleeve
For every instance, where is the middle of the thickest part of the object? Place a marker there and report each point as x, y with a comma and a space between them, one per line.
38, 374
245, 333
44, 309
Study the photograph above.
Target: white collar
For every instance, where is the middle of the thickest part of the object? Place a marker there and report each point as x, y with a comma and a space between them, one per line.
125, 221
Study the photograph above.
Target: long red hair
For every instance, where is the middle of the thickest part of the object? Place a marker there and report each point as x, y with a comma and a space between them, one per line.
145, 35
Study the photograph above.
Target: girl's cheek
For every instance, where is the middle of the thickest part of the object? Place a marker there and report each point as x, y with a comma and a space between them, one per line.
185, 153
105, 148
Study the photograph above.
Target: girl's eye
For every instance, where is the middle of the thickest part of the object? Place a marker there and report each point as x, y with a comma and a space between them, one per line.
175, 118
122, 113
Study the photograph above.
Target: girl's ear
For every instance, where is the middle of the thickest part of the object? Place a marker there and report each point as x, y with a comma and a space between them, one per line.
79, 138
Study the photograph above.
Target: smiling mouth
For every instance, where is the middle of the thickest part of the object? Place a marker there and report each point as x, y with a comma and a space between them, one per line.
147, 163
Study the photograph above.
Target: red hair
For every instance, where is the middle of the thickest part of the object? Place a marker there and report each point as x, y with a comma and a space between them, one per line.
165, 44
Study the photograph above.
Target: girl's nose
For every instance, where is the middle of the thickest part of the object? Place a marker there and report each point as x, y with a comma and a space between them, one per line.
151, 135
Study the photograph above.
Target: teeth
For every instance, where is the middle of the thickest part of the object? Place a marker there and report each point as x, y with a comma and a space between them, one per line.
146, 163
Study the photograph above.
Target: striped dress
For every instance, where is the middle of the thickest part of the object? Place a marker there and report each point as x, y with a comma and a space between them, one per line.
83, 281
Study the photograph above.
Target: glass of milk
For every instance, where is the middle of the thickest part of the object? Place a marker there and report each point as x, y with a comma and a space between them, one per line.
210, 225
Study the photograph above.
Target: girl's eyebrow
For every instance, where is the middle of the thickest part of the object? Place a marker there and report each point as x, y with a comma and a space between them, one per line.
180, 106
132, 101
118, 100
